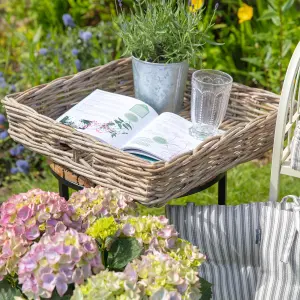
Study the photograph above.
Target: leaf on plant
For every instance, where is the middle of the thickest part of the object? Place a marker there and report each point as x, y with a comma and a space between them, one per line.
205, 288
267, 15
252, 60
7, 292
287, 5
286, 47
210, 42
38, 35
55, 296
123, 251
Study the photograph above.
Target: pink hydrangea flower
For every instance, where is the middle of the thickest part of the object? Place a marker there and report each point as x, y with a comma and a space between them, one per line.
93, 203
24, 218
56, 261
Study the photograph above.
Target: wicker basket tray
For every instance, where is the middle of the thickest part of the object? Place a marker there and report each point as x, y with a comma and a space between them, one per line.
249, 122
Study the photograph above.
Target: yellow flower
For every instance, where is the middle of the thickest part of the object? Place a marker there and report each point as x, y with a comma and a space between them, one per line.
245, 13
196, 5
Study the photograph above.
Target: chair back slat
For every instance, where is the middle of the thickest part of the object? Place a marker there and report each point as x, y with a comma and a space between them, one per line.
287, 119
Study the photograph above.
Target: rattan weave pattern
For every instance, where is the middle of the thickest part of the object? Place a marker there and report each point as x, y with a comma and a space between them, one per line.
250, 122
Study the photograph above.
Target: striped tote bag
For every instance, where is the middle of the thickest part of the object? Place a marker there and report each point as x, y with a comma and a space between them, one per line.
230, 237
279, 274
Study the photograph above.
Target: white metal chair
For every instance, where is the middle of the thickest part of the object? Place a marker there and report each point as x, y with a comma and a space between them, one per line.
288, 115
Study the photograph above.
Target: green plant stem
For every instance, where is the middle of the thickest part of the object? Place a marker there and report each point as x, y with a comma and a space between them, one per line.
280, 42
243, 39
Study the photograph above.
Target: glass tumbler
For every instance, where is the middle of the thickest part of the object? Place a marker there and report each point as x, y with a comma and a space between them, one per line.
209, 101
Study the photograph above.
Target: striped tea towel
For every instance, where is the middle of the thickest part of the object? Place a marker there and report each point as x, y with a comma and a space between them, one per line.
230, 238
279, 275
295, 149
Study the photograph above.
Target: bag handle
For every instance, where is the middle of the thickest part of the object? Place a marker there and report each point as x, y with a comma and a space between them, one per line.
293, 197
295, 228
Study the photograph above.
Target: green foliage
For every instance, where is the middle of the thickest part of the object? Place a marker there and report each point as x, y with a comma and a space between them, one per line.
206, 292
163, 31
258, 51
7, 292
121, 252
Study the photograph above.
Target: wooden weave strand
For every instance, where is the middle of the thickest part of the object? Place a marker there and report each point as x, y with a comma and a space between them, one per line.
250, 123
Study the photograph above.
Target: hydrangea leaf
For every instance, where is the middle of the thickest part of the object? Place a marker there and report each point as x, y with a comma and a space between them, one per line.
7, 292
55, 296
205, 288
123, 251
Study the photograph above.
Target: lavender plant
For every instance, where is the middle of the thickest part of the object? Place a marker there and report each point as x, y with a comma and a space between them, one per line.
163, 31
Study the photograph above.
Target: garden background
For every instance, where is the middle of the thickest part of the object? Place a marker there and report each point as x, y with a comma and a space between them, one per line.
41, 40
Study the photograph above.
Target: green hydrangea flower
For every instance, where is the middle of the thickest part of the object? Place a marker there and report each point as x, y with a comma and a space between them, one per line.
107, 285
103, 228
187, 254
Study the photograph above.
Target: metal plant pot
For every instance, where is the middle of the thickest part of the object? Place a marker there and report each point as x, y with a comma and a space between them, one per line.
160, 85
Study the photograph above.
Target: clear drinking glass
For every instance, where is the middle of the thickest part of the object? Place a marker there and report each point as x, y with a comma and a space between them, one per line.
209, 100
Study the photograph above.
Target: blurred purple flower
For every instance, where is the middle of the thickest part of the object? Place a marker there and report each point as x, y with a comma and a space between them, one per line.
16, 150
2, 119
14, 170
85, 35
120, 3
3, 83
13, 88
75, 51
61, 60
43, 51
23, 166
1, 74
78, 64
3, 135
68, 20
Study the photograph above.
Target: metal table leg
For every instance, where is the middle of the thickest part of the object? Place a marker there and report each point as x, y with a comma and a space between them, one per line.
222, 190
63, 189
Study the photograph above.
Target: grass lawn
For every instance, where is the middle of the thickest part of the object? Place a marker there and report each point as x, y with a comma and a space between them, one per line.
248, 182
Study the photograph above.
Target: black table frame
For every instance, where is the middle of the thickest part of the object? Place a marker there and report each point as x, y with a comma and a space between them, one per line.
221, 179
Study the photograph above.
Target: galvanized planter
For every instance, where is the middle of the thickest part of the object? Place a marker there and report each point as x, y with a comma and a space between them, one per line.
160, 85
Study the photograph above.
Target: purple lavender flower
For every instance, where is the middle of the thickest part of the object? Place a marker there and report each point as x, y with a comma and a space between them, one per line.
68, 20
2, 119
43, 51
16, 150
3, 83
78, 64
120, 3
75, 51
13, 88
3, 135
14, 170
61, 60
23, 166
85, 35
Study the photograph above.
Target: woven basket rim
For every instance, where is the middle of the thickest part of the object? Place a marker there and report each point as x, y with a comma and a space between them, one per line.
249, 126
13, 99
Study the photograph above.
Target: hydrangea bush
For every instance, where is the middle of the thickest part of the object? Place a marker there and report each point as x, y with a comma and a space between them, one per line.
24, 218
93, 247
